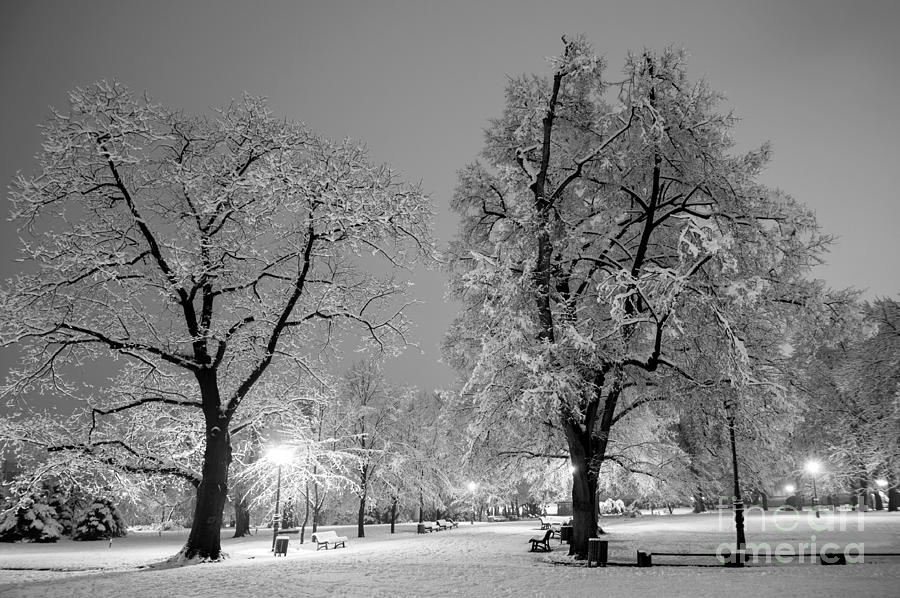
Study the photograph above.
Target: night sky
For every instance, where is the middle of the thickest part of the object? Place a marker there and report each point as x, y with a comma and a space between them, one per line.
418, 81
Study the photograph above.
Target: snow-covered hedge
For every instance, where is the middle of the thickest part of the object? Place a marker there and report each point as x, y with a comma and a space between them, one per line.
29, 521
100, 520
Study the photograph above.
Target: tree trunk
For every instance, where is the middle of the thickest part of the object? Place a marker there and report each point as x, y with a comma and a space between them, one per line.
584, 489
894, 499
317, 506
862, 499
305, 514
360, 523
360, 518
205, 539
241, 518
393, 512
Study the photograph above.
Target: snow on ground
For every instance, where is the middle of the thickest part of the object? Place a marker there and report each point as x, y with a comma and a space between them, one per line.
489, 559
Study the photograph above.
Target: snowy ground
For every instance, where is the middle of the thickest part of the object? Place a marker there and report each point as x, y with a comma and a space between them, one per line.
489, 559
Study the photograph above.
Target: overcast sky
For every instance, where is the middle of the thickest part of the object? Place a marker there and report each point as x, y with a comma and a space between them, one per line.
418, 81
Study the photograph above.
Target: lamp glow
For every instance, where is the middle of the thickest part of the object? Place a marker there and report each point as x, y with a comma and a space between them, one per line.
813, 467
789, 488
280, 455
882, 483
473, 486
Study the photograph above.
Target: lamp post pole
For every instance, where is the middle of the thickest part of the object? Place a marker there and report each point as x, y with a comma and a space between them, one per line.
815, 497
276, 519
813, 468
738, 559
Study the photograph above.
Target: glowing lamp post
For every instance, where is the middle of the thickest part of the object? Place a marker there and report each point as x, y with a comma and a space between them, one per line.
789, 488
731, 407
813, 467
473, 486
279, 455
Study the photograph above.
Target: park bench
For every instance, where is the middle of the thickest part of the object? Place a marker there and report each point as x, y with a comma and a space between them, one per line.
443, 524
453, 523
426, 526
548, 521
323, 539
541, 543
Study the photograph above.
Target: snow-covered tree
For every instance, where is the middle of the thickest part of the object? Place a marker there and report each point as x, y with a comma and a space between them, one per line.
852, 387
197, 253
29, 518
606, 226
101, 520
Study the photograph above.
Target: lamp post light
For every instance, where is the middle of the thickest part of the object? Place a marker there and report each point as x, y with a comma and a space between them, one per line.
738, 503
473, 486
789, 488
279, 455
813, 467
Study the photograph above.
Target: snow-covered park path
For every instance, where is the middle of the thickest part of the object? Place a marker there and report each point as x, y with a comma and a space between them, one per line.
479, 560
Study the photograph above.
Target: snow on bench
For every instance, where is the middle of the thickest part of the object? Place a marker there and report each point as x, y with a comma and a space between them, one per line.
325, 538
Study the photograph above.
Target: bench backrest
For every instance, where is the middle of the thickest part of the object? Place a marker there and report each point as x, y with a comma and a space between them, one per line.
324, 536
441, 522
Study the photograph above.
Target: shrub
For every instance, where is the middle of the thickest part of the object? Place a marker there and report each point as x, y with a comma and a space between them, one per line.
29, 521
99, 521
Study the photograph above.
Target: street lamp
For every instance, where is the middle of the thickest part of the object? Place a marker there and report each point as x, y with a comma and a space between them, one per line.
473, 486
279, 455
813, 467
731, 407
789, 488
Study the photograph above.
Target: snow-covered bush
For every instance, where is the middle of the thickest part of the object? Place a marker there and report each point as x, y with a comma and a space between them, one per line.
100, 520
64, 503
30, 521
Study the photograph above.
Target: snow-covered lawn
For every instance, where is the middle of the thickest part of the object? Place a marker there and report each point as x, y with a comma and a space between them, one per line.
488, 559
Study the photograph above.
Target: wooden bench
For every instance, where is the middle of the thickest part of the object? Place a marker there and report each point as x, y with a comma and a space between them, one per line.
548, 521
323, 539
444, 524
542, 544
453, 523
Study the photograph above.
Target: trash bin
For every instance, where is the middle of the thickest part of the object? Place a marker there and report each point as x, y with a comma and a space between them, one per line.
281, 545
832, 557
565, 534
598, 551
644, 559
